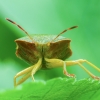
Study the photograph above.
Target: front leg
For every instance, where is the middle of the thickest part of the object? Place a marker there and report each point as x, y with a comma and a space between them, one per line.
53, 63
26, 73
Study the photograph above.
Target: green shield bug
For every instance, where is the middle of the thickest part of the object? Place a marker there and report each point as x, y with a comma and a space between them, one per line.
44, 52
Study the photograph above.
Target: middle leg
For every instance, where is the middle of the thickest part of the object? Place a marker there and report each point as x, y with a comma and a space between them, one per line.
54, 63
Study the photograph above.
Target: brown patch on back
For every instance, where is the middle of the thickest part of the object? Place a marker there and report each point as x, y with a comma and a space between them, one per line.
27, 51
60, 50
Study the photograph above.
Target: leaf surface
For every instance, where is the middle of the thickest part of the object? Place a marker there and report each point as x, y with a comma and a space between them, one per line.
55, 89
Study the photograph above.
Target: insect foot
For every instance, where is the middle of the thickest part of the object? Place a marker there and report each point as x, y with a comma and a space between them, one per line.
65, 71
69, 75
96, 77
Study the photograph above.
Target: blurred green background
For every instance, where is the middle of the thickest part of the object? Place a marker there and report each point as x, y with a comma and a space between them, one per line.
49, 17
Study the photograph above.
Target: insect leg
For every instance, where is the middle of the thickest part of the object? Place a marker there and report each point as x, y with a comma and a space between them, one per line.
54, 63
26, 76
69, 63
36, 67
28, 72
25, 71
65, 71
92, 65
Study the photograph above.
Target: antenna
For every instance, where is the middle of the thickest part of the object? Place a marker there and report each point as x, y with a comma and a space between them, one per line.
64, 32
20, 28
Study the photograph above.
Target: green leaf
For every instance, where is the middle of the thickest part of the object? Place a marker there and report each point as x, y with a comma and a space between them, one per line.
55, 89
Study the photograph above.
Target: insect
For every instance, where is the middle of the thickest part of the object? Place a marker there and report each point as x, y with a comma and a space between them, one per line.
45, 52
